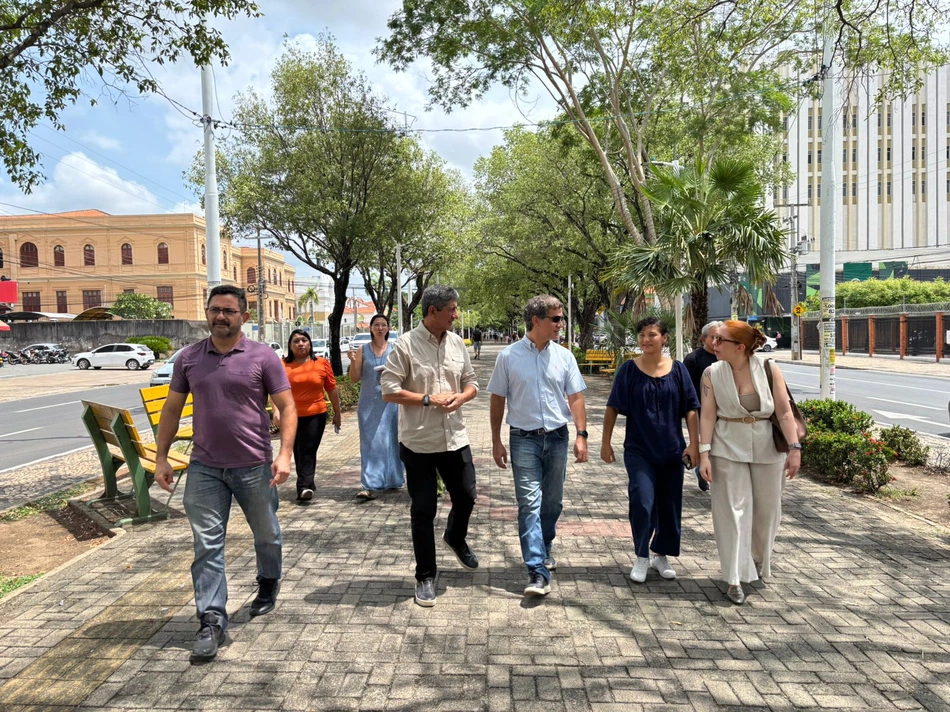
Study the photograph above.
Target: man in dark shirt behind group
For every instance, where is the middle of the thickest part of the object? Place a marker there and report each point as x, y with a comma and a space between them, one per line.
696, 363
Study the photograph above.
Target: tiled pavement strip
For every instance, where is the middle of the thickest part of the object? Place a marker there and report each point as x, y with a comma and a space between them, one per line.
856, 616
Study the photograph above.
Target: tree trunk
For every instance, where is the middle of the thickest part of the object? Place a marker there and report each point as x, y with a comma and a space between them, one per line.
699, 302
341, 282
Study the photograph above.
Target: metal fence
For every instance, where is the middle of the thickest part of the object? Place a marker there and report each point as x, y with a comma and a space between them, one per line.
900, 334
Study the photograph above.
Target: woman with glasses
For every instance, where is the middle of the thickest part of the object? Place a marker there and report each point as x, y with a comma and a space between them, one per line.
655, 394
310, 378
738, 456
379, 425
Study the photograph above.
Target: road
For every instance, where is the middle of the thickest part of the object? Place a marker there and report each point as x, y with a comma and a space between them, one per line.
913, 401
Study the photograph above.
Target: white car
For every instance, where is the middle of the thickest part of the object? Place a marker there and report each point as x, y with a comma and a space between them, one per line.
357, 341
278, 349
162, 375
320, 348
130, 356
770, 344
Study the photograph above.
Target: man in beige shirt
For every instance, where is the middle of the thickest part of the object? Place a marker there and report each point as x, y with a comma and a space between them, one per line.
429, 375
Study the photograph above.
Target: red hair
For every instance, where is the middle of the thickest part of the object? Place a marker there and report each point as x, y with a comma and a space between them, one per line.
749, 336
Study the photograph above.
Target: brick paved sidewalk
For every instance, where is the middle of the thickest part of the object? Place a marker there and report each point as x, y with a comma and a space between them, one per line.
856, 616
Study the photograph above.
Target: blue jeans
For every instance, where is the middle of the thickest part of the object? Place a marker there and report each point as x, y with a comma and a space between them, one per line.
539, 465
656, 504
208, 493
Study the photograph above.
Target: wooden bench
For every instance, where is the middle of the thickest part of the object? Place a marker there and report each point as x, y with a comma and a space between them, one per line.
108, 425
596, 358
153, 400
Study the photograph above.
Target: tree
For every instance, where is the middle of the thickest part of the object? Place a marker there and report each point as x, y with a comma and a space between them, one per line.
131, 305
49, 50
311, 166
710, 221
310, 297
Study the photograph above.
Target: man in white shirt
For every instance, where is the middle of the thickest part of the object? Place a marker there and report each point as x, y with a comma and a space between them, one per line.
544, 390
429, 375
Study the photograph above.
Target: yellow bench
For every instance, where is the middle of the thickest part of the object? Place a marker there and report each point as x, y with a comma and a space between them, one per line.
596, 358
153, 400
114, 426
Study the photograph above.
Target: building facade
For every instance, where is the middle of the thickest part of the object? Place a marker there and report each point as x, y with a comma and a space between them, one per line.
70, 262
894, 181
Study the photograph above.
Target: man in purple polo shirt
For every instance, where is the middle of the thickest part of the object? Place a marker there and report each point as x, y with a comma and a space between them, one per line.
230, 378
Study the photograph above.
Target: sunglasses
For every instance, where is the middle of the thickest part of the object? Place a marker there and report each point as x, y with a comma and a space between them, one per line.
555, 319
718, 339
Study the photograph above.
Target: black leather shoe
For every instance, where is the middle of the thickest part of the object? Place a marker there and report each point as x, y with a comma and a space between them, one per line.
266, 596
210, 636
463, 553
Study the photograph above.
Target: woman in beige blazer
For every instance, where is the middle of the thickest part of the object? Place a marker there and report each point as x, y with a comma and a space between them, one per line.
738, 457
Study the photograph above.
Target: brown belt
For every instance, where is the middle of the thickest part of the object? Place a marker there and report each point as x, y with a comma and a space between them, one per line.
748, 420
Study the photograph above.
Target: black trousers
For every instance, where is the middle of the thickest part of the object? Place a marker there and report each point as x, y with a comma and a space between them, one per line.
309, 434
458, 474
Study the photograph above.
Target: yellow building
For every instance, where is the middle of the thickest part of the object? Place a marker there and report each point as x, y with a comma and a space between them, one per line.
69, 262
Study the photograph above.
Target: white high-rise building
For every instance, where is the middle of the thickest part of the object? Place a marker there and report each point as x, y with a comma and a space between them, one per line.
894, 181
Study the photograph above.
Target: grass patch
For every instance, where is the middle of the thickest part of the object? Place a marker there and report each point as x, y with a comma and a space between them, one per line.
891, 492
56, 500
12, 583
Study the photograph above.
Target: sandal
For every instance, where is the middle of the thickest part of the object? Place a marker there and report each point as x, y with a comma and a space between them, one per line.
365, 494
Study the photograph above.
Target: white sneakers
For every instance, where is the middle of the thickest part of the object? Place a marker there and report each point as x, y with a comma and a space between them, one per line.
639, 571
662, 565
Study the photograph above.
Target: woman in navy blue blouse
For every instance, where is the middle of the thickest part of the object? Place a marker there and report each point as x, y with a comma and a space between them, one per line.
654, 393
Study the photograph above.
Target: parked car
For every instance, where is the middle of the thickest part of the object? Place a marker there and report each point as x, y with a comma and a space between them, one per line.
130, 356
357, 341
770, 344
162, 376
44, 347
279, 350
320, 348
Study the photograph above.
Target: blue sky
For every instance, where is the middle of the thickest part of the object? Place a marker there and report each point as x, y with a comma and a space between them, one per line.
128, 157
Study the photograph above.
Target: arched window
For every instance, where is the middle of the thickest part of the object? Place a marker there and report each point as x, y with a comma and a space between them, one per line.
234, 267
280, 278
1, 258
162, 253
204, 258
29, 257
126, 254
89, 256
251, 275
59, 256
224, 260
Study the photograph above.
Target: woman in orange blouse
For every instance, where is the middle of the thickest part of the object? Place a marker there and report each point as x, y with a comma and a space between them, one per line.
310, 377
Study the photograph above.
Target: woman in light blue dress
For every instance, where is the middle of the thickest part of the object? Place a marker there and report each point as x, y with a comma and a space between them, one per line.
379, 433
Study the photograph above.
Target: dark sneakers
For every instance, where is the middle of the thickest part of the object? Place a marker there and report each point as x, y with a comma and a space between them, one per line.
537, 586
463, 553
425, 592
550, 563
210, 636
266, 596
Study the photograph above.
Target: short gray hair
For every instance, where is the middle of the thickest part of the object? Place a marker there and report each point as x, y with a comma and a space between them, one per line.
710, 326
539, 307
438, 296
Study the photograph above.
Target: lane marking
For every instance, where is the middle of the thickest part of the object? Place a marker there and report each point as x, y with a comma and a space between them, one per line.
909, 405
905, 416
19, 432
44, 459
44, 407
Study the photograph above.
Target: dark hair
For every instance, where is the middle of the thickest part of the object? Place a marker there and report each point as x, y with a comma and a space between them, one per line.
384, 318
231, 291
653, 321
747, 335
539, 307
289, 358
438, 296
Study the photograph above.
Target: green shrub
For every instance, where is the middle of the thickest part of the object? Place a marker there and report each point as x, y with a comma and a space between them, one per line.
349, 393
859, 461
835, 416
158, 344
906, 444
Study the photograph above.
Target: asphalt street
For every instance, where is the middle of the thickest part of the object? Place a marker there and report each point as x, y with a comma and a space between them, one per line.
913, 401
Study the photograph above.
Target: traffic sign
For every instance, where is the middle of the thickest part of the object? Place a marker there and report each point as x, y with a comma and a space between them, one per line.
798, 310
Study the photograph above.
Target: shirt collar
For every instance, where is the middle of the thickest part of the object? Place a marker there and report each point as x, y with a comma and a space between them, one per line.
241, 345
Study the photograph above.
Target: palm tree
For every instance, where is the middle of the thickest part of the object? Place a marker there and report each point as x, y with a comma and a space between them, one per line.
710, 225
311, 297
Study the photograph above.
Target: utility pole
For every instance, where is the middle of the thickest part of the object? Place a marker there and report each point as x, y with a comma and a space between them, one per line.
356, 313
798, 247
260, 289
399, 284
570, 331
829, 206
212, 231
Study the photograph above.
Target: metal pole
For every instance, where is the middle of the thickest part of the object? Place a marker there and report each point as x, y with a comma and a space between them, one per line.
356, 314
212, 231
399, 283
796, 334
678, 302
829, 206
570, 330
260, 289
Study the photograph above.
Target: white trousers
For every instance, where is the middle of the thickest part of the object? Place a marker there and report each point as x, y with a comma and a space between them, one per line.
746, 511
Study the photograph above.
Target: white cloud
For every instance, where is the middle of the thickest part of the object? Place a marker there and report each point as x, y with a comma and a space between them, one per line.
78, 182
105, 143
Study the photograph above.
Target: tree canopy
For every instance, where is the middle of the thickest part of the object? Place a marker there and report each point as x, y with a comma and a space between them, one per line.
132, 305
54, 51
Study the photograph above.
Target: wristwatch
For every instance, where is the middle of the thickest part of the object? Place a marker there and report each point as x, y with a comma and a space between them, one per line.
582, 433
425, 400
795, 446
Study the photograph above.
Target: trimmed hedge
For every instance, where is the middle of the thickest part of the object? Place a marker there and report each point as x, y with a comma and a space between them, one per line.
158, 344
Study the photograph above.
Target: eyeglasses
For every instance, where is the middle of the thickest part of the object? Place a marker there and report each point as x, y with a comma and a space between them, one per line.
555, 319
215, 311
717, 339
